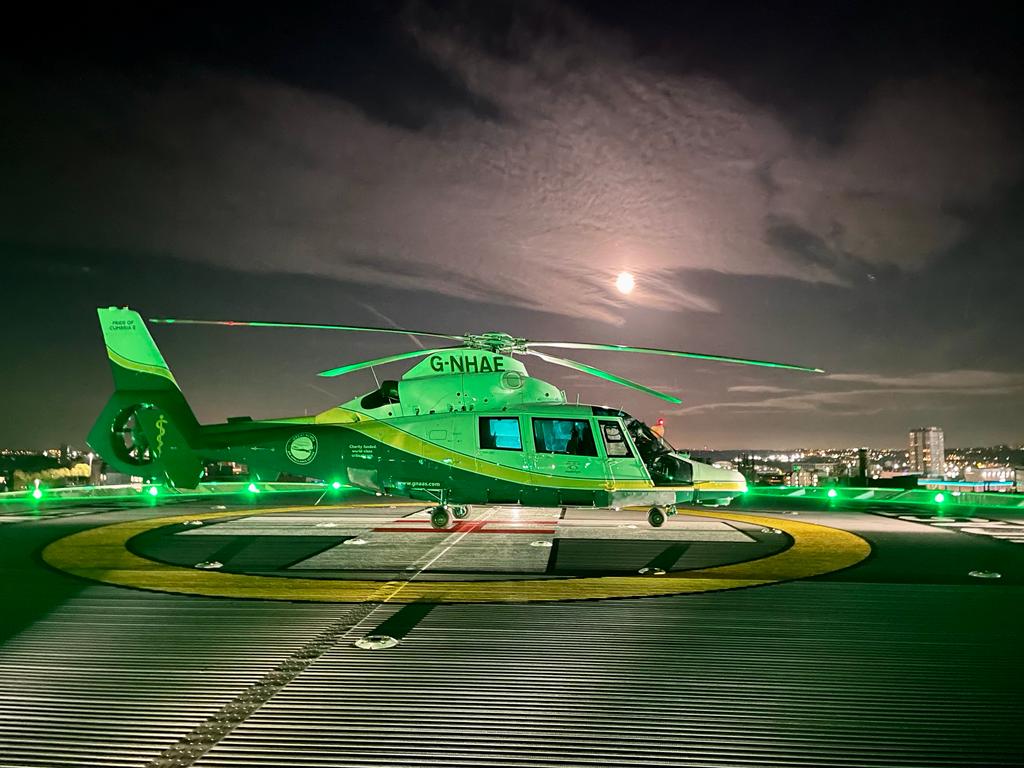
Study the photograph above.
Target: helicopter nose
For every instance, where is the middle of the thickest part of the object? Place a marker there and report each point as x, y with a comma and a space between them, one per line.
739, 479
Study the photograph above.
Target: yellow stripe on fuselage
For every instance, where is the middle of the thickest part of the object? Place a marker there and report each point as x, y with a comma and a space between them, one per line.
399, 439
721, 485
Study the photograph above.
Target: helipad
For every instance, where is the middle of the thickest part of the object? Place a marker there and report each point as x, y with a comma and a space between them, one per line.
350, 633
412, 561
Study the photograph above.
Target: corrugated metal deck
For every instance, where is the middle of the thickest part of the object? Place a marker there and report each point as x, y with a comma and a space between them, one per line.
853, 669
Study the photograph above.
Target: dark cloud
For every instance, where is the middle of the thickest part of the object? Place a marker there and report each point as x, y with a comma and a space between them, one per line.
601, 166
787, 187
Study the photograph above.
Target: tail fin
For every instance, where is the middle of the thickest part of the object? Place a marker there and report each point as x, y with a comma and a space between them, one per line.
136, 362
147, 427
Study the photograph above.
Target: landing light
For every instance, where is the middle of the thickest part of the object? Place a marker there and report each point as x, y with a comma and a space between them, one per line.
37, 494
832, 493
939, 498
154, 491
335, 485
253, 488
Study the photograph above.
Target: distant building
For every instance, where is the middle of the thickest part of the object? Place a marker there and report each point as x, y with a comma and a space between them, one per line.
802, 477
926, 452
989, 474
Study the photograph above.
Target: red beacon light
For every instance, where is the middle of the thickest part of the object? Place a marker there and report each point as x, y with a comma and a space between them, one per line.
659, 428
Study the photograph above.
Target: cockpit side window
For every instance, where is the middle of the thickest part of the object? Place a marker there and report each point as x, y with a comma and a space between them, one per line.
615, 443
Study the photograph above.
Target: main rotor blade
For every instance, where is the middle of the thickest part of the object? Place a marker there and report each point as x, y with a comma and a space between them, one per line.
382, 360
603, 375
306, 326
671, 353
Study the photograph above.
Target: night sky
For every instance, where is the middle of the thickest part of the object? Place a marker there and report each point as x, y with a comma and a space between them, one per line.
836, 185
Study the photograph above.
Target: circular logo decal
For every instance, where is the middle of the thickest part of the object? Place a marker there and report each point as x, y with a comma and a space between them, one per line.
511, 380
301, 448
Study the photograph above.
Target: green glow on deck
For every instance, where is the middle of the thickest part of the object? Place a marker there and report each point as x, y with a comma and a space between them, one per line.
846, 497
868, 496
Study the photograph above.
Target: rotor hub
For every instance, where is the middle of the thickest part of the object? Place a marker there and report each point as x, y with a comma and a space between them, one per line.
499, 343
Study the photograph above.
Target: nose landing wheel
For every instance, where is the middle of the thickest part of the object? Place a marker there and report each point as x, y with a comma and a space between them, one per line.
656, 517
441, 516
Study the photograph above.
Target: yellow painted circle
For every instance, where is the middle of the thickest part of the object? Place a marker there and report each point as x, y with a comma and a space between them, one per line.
101, 554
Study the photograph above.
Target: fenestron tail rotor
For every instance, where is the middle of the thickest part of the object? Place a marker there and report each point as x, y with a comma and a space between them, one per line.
499, 343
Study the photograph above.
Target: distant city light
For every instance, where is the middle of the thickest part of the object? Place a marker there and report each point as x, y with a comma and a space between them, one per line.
625, 282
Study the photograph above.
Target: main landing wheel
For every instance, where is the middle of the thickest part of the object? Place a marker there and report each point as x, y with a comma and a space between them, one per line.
460, 513
656, 517
440, 517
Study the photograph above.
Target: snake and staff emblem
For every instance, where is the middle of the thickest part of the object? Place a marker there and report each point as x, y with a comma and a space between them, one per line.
161, 427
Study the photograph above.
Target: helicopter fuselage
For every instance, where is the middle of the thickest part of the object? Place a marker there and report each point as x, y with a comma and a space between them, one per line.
534, 454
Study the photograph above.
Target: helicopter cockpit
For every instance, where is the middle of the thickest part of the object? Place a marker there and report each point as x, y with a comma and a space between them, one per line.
663, 461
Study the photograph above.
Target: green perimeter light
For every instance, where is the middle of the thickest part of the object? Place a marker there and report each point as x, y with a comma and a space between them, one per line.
253, 488
832, 493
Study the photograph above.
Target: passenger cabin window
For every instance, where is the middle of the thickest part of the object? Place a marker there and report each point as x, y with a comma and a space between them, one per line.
615, 444
500, 433
569, 436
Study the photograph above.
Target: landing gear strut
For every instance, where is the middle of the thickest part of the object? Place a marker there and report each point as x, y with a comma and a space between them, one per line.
656, 517
460, 513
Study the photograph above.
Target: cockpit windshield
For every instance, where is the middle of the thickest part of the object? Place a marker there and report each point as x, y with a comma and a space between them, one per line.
640, 432
656, 452
649, 445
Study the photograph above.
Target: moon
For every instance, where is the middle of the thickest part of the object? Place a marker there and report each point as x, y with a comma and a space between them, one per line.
625, 282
